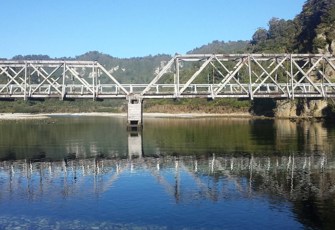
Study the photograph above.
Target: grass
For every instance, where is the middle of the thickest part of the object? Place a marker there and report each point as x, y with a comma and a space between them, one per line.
197, 105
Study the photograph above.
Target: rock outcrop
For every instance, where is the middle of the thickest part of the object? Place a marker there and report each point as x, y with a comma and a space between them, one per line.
300, 108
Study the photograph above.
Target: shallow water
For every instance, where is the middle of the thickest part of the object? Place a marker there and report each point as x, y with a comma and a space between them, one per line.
208, 173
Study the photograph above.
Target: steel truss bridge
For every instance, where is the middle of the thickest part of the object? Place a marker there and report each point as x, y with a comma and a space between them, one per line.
280, 76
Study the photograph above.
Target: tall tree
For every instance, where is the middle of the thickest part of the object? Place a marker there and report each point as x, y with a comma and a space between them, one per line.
317, 24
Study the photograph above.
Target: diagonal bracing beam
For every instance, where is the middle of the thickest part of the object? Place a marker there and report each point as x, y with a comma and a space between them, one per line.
159, 75
231, 75
12, 78
194, 76
269, 75
113, 79
46, 78
305, 75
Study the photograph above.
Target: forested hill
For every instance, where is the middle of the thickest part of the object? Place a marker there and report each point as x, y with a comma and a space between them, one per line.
217, 47
142, 69
129, 70
311, 31
126, 70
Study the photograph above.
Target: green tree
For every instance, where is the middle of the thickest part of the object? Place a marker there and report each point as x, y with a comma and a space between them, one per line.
317, 25
261, 35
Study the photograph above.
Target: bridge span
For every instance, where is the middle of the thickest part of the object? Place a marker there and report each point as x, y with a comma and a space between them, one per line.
279, 76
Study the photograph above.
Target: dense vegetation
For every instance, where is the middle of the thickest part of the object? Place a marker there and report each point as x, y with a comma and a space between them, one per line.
311, 31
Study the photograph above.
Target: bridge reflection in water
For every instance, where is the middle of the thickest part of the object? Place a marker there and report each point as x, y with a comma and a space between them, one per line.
207, 177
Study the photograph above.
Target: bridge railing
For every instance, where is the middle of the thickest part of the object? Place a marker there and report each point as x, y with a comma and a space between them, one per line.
270, 90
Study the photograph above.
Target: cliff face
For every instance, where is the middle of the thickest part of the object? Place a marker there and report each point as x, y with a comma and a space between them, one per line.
300, 108
285, 109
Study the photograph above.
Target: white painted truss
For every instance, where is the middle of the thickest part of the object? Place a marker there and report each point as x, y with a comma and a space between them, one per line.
246, 76
184, 76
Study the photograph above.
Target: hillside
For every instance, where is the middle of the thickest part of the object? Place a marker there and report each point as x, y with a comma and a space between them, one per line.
128, 70
217, 47
311, 31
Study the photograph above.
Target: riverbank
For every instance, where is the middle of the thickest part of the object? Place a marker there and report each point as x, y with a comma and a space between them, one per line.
198, 107
25, 116
245, 115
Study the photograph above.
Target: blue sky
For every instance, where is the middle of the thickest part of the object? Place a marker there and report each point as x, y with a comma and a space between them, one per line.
131, 28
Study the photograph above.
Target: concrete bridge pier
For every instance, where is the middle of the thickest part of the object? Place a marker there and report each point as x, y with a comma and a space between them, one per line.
135, 112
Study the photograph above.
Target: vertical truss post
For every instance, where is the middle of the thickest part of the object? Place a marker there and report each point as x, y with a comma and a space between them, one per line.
322, 80
176, 79
25, 80
292, 76
63, 82
93, 80
250, 80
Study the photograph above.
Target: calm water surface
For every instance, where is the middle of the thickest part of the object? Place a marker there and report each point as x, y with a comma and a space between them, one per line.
217, 173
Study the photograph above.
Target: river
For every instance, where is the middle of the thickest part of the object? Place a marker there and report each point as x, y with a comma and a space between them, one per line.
77, 172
